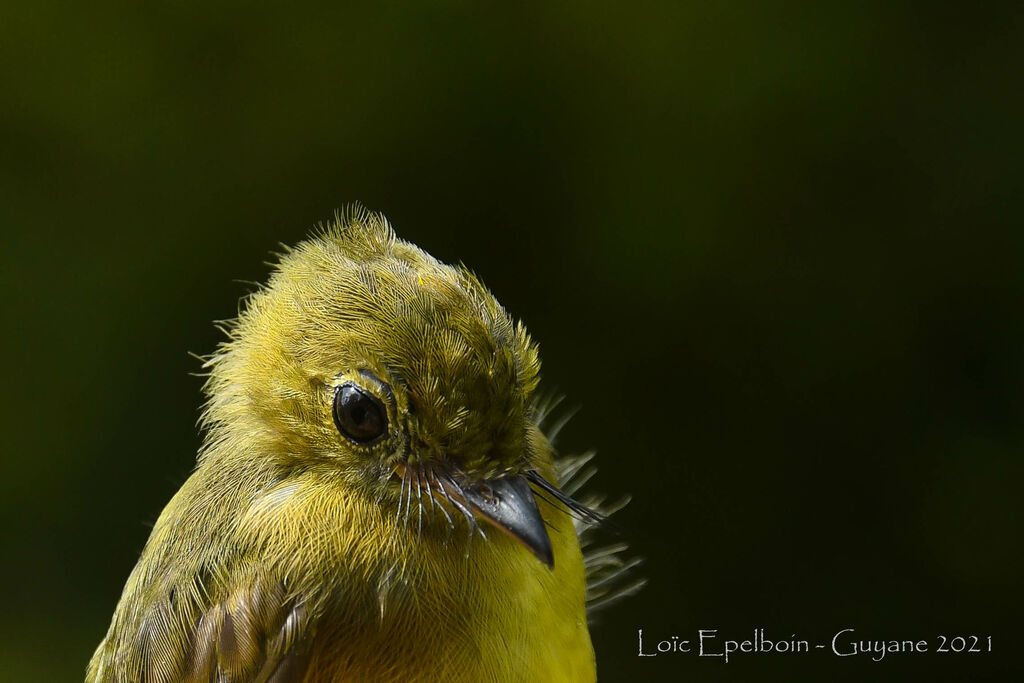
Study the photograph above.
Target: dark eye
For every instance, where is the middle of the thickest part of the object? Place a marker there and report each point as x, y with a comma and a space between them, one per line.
359, 415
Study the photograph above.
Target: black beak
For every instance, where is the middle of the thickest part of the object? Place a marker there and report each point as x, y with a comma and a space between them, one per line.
508, 503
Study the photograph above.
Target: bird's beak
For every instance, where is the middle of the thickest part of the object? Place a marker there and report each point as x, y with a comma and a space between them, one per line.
508, 504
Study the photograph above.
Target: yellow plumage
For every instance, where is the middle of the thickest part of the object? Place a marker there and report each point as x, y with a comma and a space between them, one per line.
369, 422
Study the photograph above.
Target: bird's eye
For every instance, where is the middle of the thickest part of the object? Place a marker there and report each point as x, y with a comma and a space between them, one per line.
359, 415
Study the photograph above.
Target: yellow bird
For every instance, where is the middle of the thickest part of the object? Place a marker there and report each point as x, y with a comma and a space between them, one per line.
374, 499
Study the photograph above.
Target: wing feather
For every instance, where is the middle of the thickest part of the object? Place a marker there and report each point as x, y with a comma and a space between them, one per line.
256, 633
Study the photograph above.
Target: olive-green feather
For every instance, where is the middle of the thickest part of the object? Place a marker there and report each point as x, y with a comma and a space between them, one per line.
295, 553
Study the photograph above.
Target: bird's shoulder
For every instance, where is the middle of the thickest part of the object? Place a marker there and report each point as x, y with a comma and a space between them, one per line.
175, 630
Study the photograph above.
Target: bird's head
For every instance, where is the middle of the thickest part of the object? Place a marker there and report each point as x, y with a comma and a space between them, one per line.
402, 376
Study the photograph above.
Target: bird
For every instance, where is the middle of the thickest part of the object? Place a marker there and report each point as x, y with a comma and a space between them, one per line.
375, 497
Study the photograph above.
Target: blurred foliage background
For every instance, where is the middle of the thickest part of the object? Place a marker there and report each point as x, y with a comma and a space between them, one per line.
773, 250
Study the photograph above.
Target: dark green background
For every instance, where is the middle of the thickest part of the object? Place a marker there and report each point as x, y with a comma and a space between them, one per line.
773, 250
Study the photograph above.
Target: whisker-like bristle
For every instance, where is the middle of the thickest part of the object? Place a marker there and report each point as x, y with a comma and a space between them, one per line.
398, 512
408, 505
430, 494
451, 522
466, 512
543, 496
575, 508
419, 503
